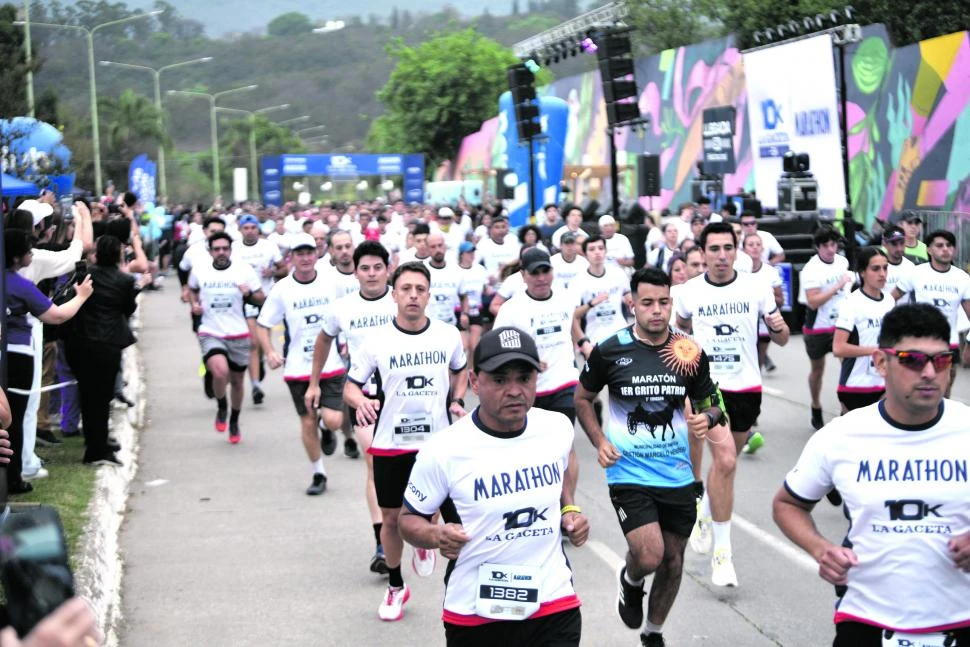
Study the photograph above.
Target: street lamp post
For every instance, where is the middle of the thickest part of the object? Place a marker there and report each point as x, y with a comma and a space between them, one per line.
310, 129
213, 126
294, 120
95, 136
156, 76
252, 140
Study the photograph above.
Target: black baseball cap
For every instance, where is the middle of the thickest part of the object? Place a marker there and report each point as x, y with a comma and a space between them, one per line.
534, 259
499, 346
909, 216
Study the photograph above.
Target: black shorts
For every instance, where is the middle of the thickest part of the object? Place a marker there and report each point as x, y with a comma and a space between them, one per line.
858, 634
331, 393
818, 345
561, 629
391, 476
854, 401
742, 409
562, 401
476, 320
675, 508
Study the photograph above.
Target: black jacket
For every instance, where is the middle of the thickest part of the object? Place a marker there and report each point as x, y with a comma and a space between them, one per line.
103, 319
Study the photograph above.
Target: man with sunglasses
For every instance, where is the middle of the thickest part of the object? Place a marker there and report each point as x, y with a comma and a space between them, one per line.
901, 466
771, 250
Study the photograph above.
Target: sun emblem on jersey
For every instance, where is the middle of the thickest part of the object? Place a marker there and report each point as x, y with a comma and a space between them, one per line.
681, 354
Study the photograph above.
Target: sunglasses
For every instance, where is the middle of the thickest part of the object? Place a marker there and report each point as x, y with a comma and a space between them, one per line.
917, 361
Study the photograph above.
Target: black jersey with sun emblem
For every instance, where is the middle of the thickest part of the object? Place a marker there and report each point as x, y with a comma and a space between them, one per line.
648, 386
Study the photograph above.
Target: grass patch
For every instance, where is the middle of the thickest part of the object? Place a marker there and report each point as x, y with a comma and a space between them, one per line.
68, 488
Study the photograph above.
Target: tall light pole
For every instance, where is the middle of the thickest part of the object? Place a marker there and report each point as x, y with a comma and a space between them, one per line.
294, 120
252, 139
302, 131
156, 76
95, 137
29, 55
214, 127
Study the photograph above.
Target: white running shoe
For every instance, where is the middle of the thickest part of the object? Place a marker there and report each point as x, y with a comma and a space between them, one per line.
722, 568
423, 561
392, 606
702, 536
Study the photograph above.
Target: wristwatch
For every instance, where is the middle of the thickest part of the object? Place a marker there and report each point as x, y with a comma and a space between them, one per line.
711, 420
460, 402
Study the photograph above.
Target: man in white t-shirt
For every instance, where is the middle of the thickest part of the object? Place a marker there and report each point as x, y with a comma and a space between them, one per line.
447, 302
568, 263
497, 250
419, 250
218, 291
823, 283
660, 256
899, 267
338, 266
573, 220
421, 370
601, 292
771, 250
903, 571
618, 248
510, 581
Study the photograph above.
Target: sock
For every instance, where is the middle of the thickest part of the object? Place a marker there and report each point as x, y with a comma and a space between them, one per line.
705, 511
722, 535
394, 578
257, 384
377, 532
318, 467
653, 629
626, 578
234, 417
222, 404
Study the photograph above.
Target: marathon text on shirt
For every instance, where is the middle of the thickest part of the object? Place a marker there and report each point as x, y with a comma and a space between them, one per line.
522, 480
370, 321
940, 287
917, 469
310, 302
215, 285
421, 358
733, 308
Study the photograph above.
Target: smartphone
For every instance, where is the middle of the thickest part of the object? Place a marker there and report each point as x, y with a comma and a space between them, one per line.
80, 271
67, 208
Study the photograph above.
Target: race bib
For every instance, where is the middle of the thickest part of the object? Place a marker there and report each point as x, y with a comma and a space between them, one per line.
725, 357
900, 639
412, 427
507, 592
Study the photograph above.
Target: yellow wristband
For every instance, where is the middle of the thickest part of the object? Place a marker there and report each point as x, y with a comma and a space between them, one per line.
570, 508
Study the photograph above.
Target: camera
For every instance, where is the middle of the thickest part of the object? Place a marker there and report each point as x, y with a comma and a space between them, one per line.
34, 568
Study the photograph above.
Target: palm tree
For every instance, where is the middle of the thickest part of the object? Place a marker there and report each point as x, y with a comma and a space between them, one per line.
134, 126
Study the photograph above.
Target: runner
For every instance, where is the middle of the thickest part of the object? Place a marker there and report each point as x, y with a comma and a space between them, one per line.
340, 268
771, 250
824, 283
602, 290
911, 225
267, 261
473, 281
721, 309
509, 582
752, 246
419, 251
420, 368
573, 220
568, 263
619, 252
301, 300
901, 465
893, 243
354, 316
651, 372
218, 291
447, 304
497, 249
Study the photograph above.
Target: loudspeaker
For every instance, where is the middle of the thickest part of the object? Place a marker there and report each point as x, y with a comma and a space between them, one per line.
648, 175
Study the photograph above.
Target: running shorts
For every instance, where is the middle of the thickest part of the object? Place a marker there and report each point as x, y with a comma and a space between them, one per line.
675, 508
391, 476
818, 345
331, 393
561, 629
742, 409
236, 351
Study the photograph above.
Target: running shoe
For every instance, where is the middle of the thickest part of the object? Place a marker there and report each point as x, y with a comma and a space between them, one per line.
46, 437
817, 422
258, 395
350, 448
652, 640
41, 473
755, 442
392, 606
328, 440
702, 536
221, 421
318, 486
769, 365
722, 568
423, 561
378, 563
234, 434
629, 601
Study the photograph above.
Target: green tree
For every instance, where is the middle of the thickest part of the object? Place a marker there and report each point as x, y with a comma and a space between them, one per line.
133, 127
293, 23
271, 139
663, 24
440, 92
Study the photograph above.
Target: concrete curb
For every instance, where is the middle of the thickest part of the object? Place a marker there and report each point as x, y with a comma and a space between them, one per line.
99, 563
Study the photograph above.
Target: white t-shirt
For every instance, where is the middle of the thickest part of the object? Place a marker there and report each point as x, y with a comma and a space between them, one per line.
896, 273
303, 306
473, 280
344, 284
512, 285
564, 272
618, 248
413, 371
445, 293
605, 318
861, 316
354, 316
557, 235
725, 323
549, 321
197, 254
260, 255
493, 256
769, 245
945, 290
506, 491
905, 492
772, 278
408, 255
222, 302
819, 274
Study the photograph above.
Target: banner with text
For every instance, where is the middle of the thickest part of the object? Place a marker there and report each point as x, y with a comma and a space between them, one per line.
792, 106
141, 178
718, 136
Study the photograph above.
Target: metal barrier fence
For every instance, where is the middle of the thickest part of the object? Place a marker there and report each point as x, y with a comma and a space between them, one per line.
956, 221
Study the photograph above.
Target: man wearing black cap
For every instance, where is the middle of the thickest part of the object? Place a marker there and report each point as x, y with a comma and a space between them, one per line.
900, 267
500, 477
911, 224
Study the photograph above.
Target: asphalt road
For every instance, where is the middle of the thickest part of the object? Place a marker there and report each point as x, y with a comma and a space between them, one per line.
222, 547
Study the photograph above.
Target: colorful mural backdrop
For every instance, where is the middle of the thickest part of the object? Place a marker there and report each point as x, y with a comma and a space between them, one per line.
908, 115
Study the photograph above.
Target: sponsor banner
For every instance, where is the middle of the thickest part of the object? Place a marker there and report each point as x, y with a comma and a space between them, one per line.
792, 106
718, 139
275, 168
785, 271
271, 180
141, 179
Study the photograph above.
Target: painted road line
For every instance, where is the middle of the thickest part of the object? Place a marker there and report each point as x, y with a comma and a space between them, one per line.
606, 554
772, 391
